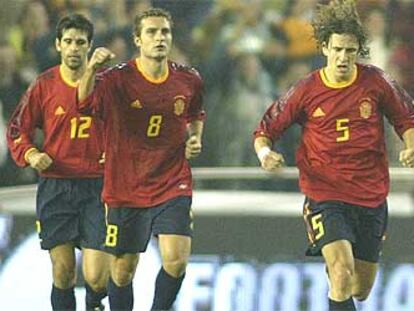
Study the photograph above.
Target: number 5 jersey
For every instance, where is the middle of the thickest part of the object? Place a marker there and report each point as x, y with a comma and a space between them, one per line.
342, 154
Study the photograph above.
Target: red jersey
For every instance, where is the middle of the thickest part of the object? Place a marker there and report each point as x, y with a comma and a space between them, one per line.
145, 132
73, 141
342, 154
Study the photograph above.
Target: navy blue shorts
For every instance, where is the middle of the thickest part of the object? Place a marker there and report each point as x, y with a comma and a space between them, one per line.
330, 221
129, 229
70, 210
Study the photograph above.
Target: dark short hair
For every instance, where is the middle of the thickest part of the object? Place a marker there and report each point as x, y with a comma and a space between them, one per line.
153, 12
77, 21
339, 17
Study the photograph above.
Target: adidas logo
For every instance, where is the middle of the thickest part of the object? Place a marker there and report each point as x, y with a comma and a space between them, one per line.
318, 113
136, 104
17, 140
59, 111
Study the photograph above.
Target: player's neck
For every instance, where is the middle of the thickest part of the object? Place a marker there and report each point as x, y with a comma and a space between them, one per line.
71, 76
153, 69
332, 78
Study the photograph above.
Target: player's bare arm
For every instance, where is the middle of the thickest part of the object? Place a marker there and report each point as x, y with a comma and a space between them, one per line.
269, 160
38, 160
193, 144
407, 155
99, 58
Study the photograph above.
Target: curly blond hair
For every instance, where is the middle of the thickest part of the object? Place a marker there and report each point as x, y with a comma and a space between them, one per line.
340, 17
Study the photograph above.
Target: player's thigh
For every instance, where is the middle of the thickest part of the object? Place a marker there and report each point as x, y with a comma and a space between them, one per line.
174, 247
63, 254
95, 266
363, 279
338, 255
57, 218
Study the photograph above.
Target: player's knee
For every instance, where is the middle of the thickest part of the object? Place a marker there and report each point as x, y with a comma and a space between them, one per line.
123, 272
340, 274
97, 282
122, 278
175, 267
63, 274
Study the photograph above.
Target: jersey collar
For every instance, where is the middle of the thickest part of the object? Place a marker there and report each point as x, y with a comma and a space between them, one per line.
338, 85
152, 80
66, 79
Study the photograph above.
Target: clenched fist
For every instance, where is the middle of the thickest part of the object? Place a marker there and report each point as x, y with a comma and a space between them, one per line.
99, 57
192, 147
407, 157
38, 160
271, 161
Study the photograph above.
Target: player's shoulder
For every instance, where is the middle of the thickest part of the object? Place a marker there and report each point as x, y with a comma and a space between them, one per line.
371, 70
306, 83
44, 80
185, 70
373, 73
48, 75
115, 70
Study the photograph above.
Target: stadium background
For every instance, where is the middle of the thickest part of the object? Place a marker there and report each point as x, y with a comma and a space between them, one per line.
249, 236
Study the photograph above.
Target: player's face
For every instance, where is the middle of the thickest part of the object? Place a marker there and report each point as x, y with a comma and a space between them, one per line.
155, 39
73, 48
341, 52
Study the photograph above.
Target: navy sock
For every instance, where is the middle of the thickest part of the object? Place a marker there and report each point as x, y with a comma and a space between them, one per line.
346, 305
166, 290
93, 299
63, 299
120, 298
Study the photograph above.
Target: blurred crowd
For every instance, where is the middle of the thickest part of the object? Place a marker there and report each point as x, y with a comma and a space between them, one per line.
248, 51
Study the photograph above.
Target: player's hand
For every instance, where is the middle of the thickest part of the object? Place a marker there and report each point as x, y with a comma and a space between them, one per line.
39, 160
100, 57
192, 147
272, 161
407, 157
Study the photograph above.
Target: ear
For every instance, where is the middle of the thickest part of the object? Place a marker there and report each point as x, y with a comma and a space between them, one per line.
325, 50
137, 41
57, 45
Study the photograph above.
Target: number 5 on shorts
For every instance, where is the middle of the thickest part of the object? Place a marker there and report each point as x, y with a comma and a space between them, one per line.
317, 226
111, 235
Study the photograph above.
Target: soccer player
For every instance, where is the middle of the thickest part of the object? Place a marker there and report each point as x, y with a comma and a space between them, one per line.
69, 209
342, 156
153, 120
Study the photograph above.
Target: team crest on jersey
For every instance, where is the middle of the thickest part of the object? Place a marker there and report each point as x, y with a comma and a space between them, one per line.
365, 108
179, 105
136, 104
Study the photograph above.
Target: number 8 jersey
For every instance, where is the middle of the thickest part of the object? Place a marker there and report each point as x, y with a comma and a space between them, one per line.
73, 141
342, 153
145, 124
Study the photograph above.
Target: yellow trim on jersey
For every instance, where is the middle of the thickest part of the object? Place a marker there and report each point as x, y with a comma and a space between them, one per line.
152, 80
338, 85
66, 79
29, 152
